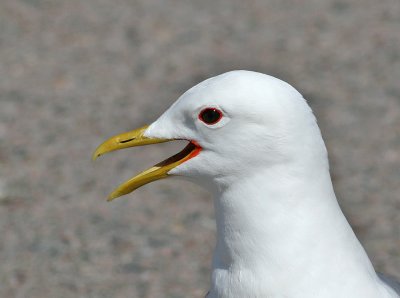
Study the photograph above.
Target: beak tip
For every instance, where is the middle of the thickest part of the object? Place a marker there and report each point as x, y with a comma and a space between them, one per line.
112, 196
95, 156
96, 153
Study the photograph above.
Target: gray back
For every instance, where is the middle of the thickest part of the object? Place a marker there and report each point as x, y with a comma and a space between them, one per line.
395, 285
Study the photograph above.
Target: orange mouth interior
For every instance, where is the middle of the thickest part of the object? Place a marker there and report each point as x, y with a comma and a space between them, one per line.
191, 150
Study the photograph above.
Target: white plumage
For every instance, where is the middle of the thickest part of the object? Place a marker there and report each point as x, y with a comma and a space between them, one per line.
255, 144
280, 230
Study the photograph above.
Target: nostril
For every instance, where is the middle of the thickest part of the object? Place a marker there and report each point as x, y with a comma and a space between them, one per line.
126, 141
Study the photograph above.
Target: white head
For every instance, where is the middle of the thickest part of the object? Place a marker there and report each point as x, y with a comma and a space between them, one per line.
265, 122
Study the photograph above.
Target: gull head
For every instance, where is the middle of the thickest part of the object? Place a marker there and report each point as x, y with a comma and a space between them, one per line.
237, 124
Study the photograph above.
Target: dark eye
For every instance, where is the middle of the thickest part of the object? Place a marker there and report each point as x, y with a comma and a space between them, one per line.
210, 115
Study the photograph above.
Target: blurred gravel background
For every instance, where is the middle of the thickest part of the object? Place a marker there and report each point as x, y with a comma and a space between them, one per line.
75, 72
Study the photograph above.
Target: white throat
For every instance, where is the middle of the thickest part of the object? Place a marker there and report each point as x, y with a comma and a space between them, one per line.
282, 234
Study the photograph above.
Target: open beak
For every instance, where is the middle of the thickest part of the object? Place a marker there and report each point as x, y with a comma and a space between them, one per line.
159, 171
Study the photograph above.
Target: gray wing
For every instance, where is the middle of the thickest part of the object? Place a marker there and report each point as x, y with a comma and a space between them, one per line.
395, 285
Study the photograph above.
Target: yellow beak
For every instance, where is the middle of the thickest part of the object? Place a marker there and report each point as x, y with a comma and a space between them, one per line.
159, 171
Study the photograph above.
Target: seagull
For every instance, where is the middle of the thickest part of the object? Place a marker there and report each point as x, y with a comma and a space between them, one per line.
254, 143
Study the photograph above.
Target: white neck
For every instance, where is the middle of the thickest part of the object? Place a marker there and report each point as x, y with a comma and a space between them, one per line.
288, 238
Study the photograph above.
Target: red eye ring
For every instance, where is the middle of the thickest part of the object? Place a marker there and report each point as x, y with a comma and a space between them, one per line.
210, 116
